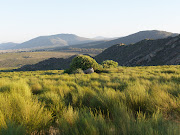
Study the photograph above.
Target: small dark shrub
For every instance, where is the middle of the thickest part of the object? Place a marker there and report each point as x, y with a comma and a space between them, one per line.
68, 71
109, 64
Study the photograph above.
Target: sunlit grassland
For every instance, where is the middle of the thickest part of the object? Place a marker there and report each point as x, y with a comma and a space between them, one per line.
125, 100
18, 59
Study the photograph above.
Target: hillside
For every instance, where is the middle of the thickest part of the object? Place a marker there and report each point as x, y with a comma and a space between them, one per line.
146, 52
136, 37
52, 41
18, 59
84, 45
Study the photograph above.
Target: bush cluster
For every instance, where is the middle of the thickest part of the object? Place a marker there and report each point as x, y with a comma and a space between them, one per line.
82, 62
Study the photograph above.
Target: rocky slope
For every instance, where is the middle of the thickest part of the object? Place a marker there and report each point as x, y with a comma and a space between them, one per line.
146, 52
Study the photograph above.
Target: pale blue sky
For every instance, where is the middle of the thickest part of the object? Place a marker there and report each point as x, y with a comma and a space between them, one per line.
21, 20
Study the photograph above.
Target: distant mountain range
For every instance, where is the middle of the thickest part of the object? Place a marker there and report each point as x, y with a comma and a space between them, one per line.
133, 38
102, 38
61, 40
7, 46
48, 41
144, 53
53, 41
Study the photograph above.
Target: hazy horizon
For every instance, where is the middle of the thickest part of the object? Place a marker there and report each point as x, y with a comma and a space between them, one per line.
23, 20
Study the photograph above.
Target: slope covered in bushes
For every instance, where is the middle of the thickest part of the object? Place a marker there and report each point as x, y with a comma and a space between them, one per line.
146, 52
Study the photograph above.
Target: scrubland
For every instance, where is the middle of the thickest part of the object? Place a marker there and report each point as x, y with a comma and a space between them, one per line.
18, 59
123, 100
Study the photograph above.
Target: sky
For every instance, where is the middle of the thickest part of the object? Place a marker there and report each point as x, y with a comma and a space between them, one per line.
21, 20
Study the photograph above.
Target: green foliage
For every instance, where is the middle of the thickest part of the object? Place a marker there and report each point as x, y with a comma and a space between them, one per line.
84, 62
68, 71
13, 129
109, 64
124, 100
78, 71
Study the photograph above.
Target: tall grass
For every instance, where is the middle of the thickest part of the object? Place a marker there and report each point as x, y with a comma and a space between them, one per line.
125, 100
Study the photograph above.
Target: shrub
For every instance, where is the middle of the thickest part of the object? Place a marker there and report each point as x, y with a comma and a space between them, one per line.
83, 62
68, 71
78, 71
109, 64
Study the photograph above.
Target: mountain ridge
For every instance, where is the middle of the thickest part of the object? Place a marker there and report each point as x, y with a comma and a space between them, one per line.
136, 37
61, 40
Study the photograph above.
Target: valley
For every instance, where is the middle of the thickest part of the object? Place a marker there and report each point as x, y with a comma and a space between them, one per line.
46, 91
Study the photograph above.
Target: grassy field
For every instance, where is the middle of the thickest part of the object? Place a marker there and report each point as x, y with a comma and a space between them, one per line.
124, 100
18, 59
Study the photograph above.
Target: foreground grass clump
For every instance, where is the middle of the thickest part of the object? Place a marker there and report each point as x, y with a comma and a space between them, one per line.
125, 100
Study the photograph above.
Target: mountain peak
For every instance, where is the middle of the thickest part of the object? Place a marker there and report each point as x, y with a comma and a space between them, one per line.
53, 41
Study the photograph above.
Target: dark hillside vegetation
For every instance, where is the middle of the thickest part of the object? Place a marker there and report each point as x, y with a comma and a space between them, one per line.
146, 52
125, 101
48, 64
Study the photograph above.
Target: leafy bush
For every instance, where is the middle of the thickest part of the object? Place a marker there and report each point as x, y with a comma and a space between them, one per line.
109, 64
84, 62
